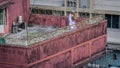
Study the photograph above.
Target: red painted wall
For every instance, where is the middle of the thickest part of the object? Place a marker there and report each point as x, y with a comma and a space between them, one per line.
19, 8
61, 52
51, 20
15, 57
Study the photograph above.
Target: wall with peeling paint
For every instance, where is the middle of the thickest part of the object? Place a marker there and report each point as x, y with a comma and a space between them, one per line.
61, 52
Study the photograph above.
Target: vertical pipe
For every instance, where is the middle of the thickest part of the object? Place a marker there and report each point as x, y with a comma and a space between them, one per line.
65, 6
77, 5
111, 21
26, 25
72, 55
90, 9
119, 22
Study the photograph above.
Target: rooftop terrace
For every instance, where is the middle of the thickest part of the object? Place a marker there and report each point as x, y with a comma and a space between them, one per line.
54, 47
39, 33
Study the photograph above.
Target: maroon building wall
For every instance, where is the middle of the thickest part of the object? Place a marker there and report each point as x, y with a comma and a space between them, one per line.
62, 52
51, 20
30, 57
19, 8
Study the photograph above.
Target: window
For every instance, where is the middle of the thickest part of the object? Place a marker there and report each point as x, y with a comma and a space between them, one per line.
2, 16
86, 15
41, 11
113, 21
2, 20
71, 3
108, 17
84, 4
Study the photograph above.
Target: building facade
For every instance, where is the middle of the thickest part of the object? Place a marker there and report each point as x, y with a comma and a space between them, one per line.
60, 48
9, 12
84, 8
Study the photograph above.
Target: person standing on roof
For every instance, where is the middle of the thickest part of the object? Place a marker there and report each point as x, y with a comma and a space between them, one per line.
71, 20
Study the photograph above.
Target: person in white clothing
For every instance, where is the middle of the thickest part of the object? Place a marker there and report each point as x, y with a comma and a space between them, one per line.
71, 20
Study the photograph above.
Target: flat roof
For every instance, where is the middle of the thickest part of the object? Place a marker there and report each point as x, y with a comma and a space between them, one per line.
32, 32
39, 33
